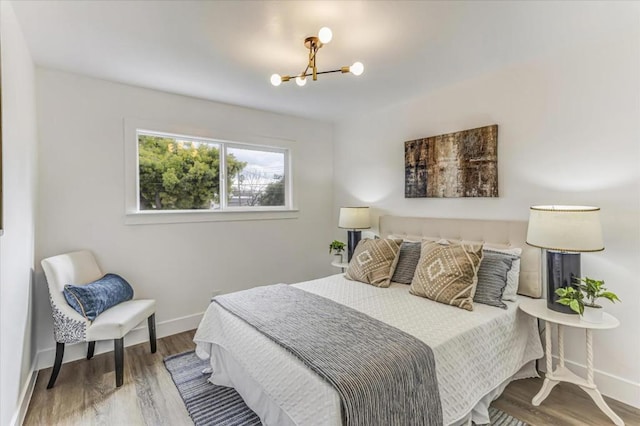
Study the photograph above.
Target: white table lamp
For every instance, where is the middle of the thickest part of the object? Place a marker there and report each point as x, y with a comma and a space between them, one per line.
564, 231
354, 218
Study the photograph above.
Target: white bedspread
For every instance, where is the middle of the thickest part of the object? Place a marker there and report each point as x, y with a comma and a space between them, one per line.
475, 352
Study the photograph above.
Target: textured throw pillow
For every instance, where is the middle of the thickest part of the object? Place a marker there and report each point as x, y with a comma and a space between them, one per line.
448, 273
374, 261
90, 300
407, 262
492, 278
513, 276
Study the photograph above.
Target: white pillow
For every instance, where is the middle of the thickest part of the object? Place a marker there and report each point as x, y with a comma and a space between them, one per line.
513, 276
407, 238
417, 239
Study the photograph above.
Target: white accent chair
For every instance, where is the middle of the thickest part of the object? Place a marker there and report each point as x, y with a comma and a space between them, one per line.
69, 326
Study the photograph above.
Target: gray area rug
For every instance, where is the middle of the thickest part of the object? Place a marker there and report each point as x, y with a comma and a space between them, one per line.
500, 418
209, 404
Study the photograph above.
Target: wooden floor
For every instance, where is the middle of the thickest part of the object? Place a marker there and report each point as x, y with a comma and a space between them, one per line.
85, 392
566, 405
85, 395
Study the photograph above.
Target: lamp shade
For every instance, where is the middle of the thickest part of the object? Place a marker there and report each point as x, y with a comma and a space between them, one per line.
565, 228
354, 218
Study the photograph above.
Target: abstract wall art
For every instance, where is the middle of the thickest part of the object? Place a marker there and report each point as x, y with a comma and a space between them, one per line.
459, 164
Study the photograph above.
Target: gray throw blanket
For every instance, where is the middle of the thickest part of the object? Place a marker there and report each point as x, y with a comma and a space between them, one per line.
383, 375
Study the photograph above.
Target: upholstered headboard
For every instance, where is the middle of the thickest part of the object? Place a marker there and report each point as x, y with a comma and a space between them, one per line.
498, 233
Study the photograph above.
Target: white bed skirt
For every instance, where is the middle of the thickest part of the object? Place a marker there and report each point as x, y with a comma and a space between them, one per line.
227, 372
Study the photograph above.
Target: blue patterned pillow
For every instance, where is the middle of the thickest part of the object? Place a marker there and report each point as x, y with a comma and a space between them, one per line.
92, 299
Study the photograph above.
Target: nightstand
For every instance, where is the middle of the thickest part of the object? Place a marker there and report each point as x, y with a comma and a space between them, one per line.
538, 308
342, 265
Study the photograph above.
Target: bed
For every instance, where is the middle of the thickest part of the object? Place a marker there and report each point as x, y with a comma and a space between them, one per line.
477, 353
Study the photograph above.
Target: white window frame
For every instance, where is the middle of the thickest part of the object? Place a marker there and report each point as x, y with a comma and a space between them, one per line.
135, 216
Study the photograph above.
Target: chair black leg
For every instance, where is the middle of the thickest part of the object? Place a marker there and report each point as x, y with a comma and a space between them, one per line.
151, 322
92, 348
118, 346
56, 365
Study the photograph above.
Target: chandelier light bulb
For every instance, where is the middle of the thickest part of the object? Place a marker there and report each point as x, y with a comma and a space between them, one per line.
276, 79
325, 35
357, 68
301, 81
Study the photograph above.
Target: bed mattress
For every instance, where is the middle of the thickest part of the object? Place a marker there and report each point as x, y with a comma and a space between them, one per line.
476, 352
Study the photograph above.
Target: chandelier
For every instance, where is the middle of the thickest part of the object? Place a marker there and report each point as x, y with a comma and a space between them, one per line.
314, 44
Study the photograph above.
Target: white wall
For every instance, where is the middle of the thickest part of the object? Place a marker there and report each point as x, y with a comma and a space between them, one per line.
19, 186
82, 202
569, 133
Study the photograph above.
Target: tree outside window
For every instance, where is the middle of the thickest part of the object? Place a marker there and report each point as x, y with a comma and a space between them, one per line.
176, 174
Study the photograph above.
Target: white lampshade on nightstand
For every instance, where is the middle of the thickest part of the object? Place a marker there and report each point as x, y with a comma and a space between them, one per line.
564, 231
354, 218
565, 228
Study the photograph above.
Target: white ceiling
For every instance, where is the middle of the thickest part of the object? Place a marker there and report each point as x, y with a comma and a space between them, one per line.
226, 50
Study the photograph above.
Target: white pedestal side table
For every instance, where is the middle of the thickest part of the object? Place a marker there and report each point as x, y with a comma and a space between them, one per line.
538, 308
343, 265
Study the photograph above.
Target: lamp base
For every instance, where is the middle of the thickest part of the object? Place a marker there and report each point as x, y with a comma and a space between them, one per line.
562, 269
354, 238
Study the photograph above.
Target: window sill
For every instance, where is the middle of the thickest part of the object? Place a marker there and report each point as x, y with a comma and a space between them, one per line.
181, 216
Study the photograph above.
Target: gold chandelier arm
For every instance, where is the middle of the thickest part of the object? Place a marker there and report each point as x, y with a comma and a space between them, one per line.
342, 70
313, 51
332, 71
304, 73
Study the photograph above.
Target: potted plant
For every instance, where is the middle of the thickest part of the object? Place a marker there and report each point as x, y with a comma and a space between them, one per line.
582, 296
337, 247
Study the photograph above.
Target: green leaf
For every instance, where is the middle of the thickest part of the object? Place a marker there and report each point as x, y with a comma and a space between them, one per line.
611, 296
337, 246
576, 306
585, 290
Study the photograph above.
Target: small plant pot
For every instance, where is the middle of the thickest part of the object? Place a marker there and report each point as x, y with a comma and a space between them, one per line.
337, 257
592, 314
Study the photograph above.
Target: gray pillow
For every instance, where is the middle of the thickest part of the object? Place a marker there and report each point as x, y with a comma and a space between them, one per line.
407, 262
513, 276
492, 279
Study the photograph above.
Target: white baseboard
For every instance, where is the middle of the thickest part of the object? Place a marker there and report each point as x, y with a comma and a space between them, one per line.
615, 387
612, 386
25, 397
45, 358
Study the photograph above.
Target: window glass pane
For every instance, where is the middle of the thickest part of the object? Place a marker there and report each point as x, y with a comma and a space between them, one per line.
177, 174
256, 177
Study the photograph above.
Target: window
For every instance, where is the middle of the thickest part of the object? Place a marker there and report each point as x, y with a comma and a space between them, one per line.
257, 176
178, 174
